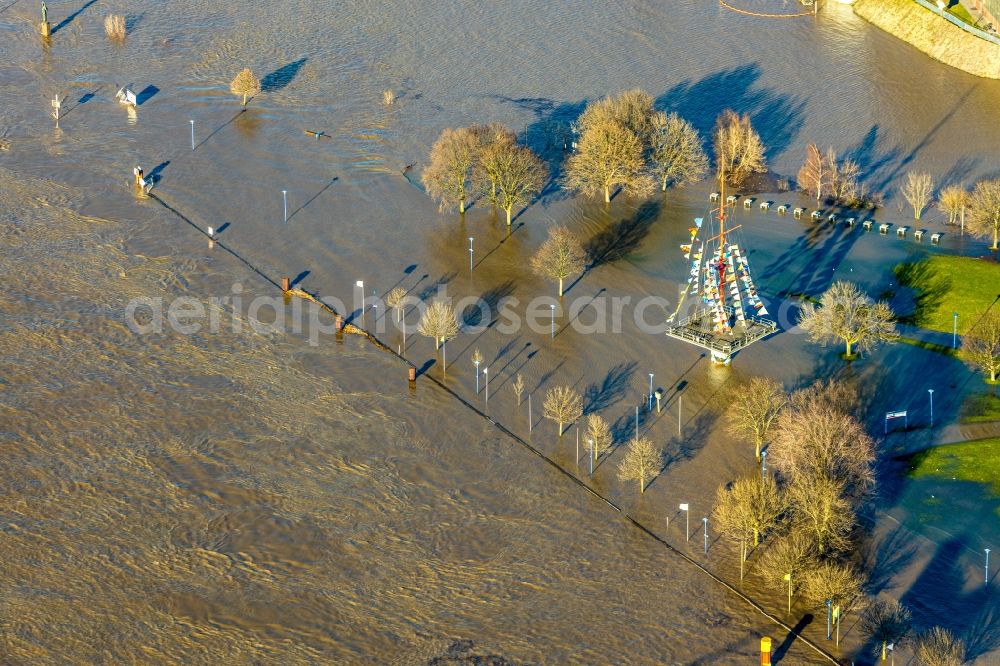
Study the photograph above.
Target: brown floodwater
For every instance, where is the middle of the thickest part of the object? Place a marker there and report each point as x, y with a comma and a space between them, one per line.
247, 497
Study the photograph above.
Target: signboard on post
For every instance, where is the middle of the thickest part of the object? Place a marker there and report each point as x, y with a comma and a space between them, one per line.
889, 416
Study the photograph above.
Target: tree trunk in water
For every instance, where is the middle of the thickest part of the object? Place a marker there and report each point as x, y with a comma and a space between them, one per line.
848, 347
995, 234
560, 287
756, 537
461, 205
756, 451
508, 217
437, 344
560, 428
883, 650
743, 556
642, 485
244, 99
607, 195
664, 189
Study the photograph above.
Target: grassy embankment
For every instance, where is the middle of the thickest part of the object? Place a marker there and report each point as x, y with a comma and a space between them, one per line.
933, 35
977, 461
946, 284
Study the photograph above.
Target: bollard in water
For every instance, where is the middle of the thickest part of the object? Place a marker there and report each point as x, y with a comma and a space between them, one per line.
284, 284
412, 373
765, 651
46, 29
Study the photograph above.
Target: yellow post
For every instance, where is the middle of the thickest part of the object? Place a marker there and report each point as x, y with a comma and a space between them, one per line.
765, 651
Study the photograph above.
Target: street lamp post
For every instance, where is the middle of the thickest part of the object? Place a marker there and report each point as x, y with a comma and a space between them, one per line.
687, 521
284, 197
705, 522
763, 464
986, 577
954, 330
192, 134
470, 254
829, 604
486, 383
360, 284
930, 392
477, 362
553, 320
651, 391
591, 455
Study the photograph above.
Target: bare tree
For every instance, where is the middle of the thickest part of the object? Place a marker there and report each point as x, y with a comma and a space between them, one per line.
739, 152
439, 322
609, 156
245, 84
562, 405
844, 182
814, 176
785, 563
396, 299
984, 211
560, 256
842, 584
748, 509
885, 621
953, 201
642, 461
939, 647
518, 387
848, 314
675, 152
491, 139
981, 343
599, 435
832, 394
754, 408
114, 27
448, 176
918, 190
823, 443
515, 174
823, 512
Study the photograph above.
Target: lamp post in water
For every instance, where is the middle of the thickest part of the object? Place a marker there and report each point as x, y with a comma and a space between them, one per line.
651, 391
705, 522
954, 330
284, 197
192, 134
829, 604
471, 255
930, 392
986, 580
763, 464
687, 521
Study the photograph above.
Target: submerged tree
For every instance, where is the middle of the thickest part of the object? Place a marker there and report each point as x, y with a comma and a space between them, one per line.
490, 139
885, 621
739, 152
560, 256
814, 177
846, 313
598, 435
784, 564
953, 201
675, 152
448, 176
515, 174
939, 647
823, 443
439, 322
518, 387
823, 512
754, 408
748, 509
984, 211
396, 299
642, 461
840, 584
609, 156
562, 405
981, 343
245, 84
918, 190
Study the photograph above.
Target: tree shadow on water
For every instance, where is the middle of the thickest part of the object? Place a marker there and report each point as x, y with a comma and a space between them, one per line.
597, 397
281, 77
623, 237
780, 652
